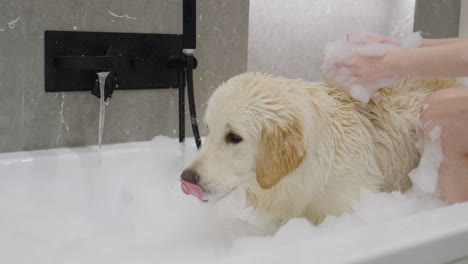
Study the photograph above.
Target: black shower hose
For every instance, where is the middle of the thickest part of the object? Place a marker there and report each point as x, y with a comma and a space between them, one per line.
191, 101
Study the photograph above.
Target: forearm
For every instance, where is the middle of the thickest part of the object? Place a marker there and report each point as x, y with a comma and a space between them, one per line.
437, 42
450, 60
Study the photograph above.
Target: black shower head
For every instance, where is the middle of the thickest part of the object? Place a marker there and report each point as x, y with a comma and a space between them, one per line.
189, 26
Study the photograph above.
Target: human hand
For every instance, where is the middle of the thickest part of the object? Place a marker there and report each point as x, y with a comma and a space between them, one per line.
447, 110
359, 64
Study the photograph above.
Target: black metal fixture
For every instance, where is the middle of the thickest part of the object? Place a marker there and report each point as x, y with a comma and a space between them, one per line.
188, 48
133, 60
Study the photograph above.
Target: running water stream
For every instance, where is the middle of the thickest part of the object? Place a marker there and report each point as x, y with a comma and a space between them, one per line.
102, 106
100, 188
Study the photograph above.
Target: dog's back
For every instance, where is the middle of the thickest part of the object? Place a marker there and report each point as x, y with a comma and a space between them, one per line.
392, 116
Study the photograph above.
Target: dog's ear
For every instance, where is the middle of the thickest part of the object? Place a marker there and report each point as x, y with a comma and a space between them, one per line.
281, 152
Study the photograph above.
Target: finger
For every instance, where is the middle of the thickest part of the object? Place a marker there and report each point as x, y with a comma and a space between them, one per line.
369, 39
390, 40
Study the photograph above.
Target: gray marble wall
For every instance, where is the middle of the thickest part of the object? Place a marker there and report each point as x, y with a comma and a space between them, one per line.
437, 19
33, 119
463, 28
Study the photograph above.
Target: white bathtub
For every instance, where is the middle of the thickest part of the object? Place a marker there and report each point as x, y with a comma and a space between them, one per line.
53, 194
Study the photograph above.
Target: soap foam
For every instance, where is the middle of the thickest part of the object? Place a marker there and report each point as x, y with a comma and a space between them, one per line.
340, 52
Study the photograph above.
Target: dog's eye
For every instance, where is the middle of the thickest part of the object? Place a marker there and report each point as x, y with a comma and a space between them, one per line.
233, 138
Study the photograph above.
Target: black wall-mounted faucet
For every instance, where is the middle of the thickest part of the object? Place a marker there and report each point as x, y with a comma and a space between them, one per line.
133, 60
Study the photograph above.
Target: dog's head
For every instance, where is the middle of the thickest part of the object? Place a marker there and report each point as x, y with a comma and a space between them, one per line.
254, 138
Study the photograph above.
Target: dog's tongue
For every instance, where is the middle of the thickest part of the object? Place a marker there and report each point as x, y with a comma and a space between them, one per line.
191, 188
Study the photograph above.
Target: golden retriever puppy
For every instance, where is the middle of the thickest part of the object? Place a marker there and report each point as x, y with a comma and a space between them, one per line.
302, 149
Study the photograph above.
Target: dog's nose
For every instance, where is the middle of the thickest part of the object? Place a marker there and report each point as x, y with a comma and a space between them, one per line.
190, 176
